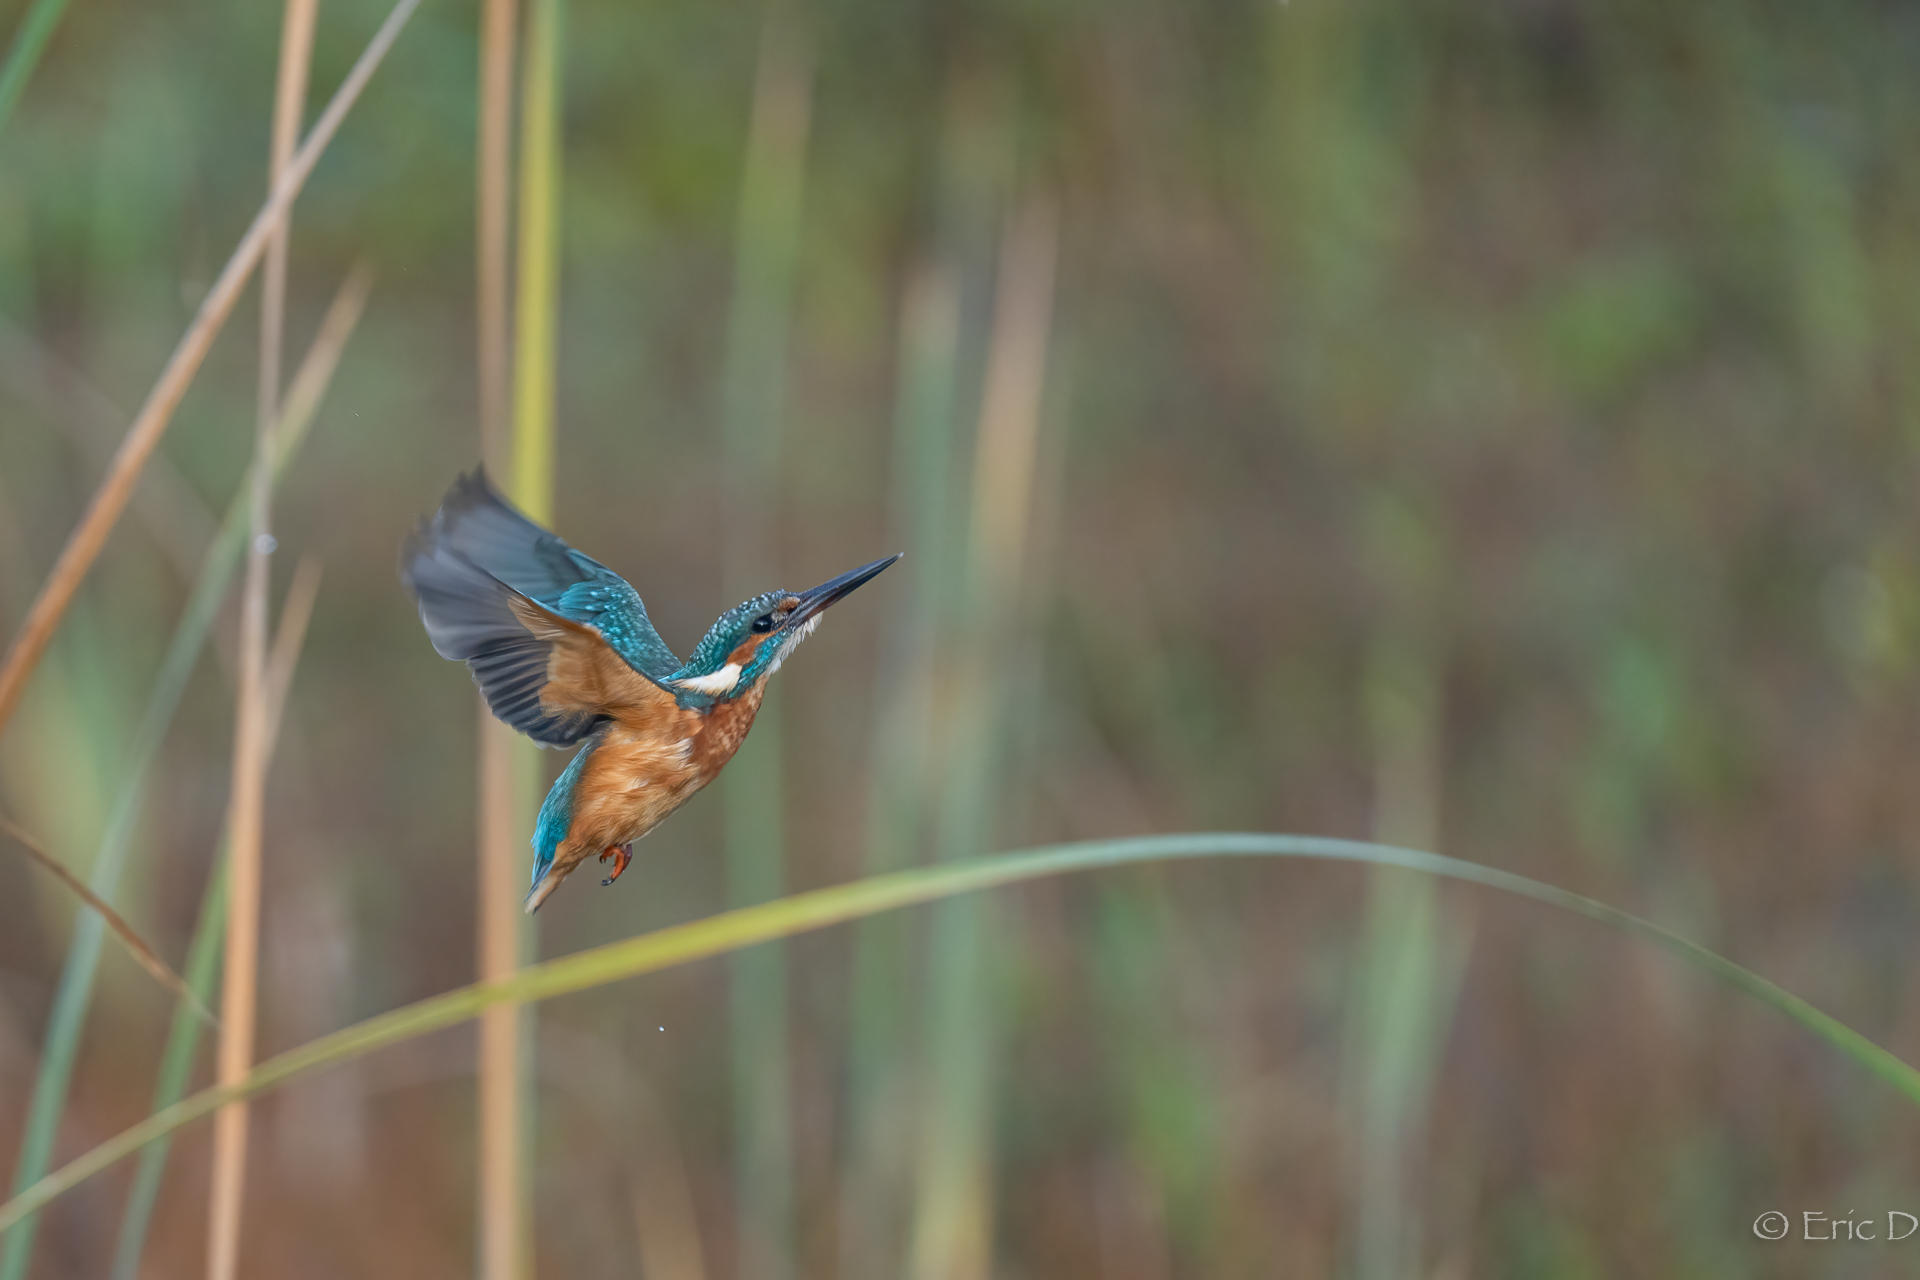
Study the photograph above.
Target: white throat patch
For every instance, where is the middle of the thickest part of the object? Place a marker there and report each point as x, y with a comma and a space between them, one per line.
792, 642
721, 681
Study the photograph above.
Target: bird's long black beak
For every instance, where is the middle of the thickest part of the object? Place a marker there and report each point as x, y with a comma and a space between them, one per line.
834, 590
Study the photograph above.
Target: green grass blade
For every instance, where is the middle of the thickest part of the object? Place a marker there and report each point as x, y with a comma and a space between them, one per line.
75, 992
753, 400
537, 321
952, 1220
176, 1068
732, 930
29, 42
878, 1077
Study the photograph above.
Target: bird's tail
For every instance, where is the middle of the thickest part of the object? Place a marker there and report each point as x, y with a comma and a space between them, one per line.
543, 889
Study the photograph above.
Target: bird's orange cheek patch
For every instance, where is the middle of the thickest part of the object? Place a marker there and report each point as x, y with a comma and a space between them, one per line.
742, 654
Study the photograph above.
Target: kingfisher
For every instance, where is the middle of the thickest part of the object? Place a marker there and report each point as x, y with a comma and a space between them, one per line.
563, 651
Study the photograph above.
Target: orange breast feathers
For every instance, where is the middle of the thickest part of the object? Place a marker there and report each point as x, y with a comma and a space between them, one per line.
725, 729
631, 782
726, 723
653, 758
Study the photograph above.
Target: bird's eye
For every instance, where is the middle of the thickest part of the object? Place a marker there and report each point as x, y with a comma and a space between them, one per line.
763, 623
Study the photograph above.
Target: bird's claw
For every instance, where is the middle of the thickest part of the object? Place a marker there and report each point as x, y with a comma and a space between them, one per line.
621, 854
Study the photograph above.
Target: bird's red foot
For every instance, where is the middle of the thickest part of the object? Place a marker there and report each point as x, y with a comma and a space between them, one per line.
621, 854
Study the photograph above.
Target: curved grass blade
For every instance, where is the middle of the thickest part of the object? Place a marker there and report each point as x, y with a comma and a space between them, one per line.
75, 992
731, 930
137, 946
176, 1070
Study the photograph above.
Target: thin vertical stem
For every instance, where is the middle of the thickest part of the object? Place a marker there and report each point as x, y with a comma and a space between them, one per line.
297, 412
499, 925
536, 344
289, 106
1409, 957
240, 986
501, 1216
767, 236
176, 1069
1396, 975
952, 1232
517, 424
878, 1098
493, 223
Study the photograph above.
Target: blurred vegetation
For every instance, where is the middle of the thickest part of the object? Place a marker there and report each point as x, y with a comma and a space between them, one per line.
1503, 409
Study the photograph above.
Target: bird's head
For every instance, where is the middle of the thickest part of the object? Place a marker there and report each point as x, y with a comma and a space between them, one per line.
749, 641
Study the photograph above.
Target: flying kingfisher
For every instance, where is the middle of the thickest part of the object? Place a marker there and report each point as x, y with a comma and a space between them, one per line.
561, 647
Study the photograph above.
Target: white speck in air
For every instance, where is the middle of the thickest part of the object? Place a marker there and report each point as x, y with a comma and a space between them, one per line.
266, 544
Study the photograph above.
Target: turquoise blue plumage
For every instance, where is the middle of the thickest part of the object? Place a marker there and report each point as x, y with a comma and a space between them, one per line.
563, 650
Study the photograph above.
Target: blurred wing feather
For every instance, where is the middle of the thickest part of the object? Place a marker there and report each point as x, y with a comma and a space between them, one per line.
555, 641
478, 524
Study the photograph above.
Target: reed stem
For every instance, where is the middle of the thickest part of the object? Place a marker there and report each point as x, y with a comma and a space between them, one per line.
203, 958
176, 1070
753, 386
878, 1089
150, 423
500, 1187
952, 1234
74, 995
509, 766
240, 979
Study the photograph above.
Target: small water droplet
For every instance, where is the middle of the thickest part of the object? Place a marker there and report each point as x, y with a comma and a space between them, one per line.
266, 544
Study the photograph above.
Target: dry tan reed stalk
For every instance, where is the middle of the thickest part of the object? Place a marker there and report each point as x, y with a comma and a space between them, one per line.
1010, 408
310, 380
296, 611
502, 1136
63, 1030
289, 105
240, 975
276, 679
502, 1139
148, 958
90, 535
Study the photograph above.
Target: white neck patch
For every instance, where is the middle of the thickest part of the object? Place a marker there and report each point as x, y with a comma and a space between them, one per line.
792, 642
721, 681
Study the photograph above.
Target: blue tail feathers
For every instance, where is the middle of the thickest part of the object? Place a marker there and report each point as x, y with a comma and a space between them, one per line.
556, 811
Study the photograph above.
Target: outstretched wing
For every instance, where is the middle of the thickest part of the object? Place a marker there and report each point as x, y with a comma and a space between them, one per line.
477, 523
556, 641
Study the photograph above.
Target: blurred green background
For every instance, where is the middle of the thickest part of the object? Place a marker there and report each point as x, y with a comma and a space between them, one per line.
1490, 427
